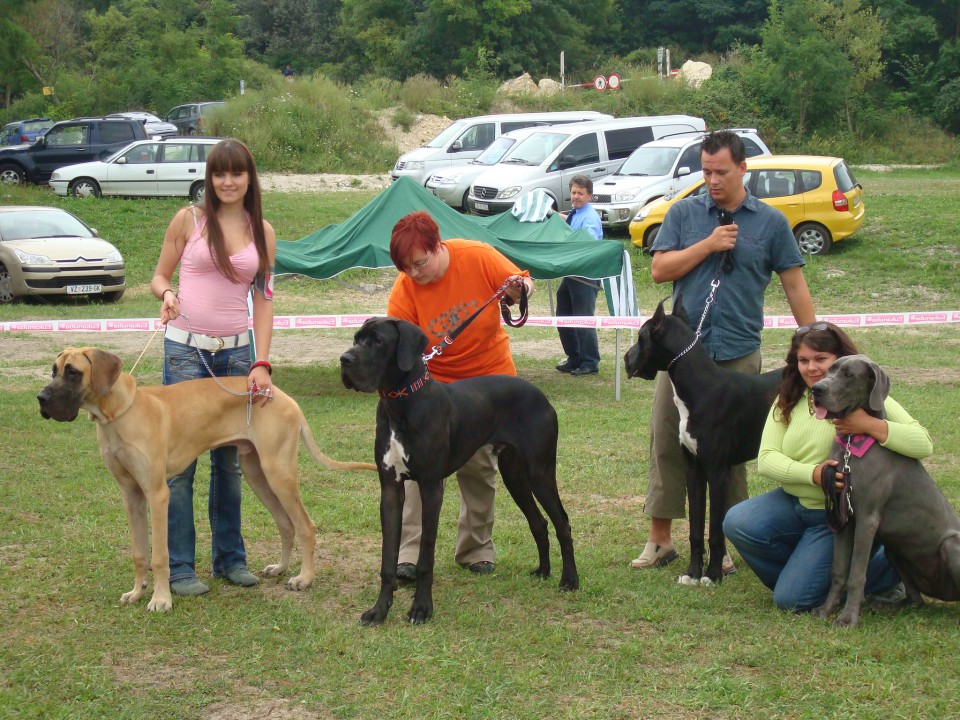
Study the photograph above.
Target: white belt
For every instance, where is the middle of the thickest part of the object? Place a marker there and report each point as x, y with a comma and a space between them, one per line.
207, 342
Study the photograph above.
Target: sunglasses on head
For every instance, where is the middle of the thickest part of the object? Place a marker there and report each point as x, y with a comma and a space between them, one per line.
804, 329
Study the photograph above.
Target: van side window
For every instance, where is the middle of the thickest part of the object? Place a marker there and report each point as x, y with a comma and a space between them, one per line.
620, 143
506, 127
753, 150
478, 137
116, 133
584, 149
69, 135
691, 159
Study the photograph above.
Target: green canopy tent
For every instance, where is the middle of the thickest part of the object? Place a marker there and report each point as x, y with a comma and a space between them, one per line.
548, 249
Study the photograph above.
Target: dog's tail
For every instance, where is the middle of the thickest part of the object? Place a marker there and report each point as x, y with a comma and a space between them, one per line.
329, 463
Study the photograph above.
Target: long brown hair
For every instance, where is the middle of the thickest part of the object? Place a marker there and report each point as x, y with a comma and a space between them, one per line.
229, 156
820, 336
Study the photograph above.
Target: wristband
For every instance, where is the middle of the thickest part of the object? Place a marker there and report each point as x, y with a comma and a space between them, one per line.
170, 290
263, 363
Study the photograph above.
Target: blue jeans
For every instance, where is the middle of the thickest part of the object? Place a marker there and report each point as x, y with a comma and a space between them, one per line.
181, 362
790, 548
578, 297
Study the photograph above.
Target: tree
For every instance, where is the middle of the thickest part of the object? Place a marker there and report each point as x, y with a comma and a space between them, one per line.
300, 32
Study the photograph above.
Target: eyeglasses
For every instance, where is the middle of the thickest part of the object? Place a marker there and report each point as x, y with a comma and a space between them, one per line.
804, 329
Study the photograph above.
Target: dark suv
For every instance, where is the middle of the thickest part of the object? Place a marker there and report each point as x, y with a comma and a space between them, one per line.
191, 118
67, 143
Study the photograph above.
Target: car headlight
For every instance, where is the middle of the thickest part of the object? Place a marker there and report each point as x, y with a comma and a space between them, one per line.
55, 176
448, 179
626, 196
642, 215
114, 258
508, 192
413, 165
31, 259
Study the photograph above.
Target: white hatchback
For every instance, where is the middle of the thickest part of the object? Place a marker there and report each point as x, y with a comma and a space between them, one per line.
173, 168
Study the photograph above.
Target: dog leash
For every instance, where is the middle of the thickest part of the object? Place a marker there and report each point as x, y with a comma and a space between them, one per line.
504, 313
144, 352
838, 506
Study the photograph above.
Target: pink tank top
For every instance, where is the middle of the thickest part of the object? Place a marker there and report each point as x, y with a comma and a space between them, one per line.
210, 303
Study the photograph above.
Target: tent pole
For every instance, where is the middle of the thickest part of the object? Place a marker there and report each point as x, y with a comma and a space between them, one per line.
550, 295
616, 374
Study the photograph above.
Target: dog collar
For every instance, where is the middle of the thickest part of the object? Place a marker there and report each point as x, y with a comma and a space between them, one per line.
406, 390
857, 444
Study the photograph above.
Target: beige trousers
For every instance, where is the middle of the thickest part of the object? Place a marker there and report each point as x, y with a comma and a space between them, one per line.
478, 482
667, 485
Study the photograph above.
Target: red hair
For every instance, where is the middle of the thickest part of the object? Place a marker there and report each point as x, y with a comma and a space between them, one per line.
416, 231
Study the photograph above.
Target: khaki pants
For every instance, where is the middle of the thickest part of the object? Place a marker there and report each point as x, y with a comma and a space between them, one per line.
478, 483
667, 488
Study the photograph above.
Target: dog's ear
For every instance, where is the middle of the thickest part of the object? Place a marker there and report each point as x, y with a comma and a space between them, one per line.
411, 344
881, 386
659, 314
678, 309
104, 369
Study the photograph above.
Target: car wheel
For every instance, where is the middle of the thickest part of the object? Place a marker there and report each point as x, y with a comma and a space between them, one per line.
112, 297
650, 236
197, 192
11, 174
6, 285
191, 131
813, 239
85, 187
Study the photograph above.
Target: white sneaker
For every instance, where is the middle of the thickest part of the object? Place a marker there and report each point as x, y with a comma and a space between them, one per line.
654, 556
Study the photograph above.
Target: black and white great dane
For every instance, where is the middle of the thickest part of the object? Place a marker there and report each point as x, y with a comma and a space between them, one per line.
427, 430
895, 502
722, 413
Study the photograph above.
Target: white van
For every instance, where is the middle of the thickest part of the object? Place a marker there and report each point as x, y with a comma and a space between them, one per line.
550, 157
465, 139
661, 168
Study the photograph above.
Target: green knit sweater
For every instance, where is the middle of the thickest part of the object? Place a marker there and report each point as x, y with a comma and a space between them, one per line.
789, 453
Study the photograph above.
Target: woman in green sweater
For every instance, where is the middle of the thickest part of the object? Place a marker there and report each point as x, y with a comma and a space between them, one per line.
783, 534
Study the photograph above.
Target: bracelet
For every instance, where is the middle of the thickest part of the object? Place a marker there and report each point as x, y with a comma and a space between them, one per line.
165, 292
263, 363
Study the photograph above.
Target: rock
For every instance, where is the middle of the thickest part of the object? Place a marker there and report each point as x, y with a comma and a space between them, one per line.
696, 72
546, 86
519, 86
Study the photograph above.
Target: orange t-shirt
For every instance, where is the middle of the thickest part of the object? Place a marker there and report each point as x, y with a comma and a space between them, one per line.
475, 272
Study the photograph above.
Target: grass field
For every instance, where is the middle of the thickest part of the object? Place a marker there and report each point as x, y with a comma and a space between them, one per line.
628, 645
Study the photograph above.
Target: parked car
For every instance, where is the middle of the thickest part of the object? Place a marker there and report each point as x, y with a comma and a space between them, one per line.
550, 157
23, 132
465, 139
655, 169
173, 167
819, 195
452, 185
191, 118
154, 126
67, 143
48, 251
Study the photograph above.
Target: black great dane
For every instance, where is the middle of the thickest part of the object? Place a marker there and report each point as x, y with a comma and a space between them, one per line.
894, 500
722, 413
427, 430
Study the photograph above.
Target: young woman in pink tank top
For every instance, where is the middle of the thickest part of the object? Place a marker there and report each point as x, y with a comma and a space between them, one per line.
224, 250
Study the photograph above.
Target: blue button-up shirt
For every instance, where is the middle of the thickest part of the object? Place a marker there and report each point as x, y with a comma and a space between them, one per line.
765, 245
586, 218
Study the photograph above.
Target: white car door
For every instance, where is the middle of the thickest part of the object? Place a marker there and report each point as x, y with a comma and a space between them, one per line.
133, 172
181, 164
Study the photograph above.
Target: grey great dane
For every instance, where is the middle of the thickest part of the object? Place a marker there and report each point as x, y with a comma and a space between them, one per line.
895, 502
427, 430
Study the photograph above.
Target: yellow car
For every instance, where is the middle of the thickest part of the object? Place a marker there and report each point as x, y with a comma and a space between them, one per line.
819, 195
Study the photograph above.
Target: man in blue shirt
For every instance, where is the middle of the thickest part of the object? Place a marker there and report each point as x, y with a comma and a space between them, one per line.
577, 296
688, 250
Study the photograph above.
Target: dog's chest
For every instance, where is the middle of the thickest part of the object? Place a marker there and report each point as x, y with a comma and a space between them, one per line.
395, 458
686, 439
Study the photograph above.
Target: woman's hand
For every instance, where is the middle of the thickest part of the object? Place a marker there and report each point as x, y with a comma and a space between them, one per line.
260, 384
169, 307
818, 473
860, 422
513, 289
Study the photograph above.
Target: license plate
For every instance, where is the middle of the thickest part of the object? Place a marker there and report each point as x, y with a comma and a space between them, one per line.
84, 289
481, 206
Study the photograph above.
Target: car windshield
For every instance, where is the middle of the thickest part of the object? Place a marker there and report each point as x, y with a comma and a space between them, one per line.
493, 154
37, 126
536, 148
450, 132
649, 161
845, 178
24, 224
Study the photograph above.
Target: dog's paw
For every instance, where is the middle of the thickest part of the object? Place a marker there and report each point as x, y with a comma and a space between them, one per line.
373, 617
822, 612
298, 583
419, 614
540, 572
847, 619
274, 570
569, 584
129, 598
160, 604
708, 582
687, 580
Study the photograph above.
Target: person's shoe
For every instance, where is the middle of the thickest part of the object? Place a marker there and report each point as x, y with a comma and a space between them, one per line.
585, 370
894, 597
654, 556
728, 567
242, 577
407, 572
484, 567
566, 366
188, 586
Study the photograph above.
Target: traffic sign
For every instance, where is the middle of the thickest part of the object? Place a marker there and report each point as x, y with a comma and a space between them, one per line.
600, 82
613, 81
